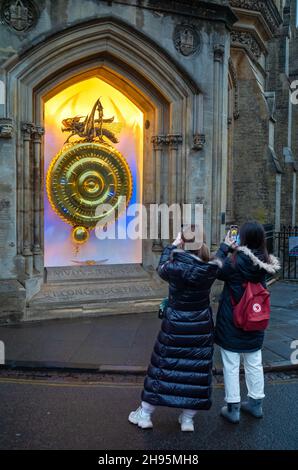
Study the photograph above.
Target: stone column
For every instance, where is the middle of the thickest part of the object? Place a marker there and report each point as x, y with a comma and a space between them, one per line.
27, 222
174, 141
37, 133
217, 144
158, 142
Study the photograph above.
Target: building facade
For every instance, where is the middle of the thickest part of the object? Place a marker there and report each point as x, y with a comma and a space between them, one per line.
202, 93
264, 136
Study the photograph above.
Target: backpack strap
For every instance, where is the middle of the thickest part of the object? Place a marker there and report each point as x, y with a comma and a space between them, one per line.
233, 302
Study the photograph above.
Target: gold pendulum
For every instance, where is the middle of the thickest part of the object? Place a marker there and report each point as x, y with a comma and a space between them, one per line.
80, 234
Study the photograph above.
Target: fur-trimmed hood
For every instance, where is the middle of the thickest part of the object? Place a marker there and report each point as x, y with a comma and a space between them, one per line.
272, 267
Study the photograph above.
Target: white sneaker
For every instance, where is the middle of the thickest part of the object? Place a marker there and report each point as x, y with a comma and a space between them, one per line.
140, 418
186, 424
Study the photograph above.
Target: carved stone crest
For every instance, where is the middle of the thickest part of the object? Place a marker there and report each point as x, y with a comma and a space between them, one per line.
20, 15
186, 39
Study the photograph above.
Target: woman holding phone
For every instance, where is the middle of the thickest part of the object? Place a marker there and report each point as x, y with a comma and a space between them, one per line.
250, 262
180, 372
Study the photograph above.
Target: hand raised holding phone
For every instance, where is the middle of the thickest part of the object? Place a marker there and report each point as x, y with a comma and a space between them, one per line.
179, 242
231, 238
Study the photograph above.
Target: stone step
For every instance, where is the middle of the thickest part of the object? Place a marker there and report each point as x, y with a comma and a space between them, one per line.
92, 291
96, 291
39, 312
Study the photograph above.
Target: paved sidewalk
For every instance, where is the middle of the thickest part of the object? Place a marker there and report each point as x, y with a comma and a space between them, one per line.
125, 342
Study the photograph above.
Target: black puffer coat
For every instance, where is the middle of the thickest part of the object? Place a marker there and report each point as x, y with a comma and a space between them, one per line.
180, 373
246, 265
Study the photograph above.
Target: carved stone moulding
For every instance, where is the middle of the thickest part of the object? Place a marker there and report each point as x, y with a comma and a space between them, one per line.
198, 142
249, 41
32, 129
267, 8
213, 10
172, 140
219, 52
158, 141
6, 128
19, 15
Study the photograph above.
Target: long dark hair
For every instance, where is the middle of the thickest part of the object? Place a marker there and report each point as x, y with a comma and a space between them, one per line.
252, 235
203, 253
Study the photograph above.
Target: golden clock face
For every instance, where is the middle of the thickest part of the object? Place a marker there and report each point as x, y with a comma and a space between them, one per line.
83, 176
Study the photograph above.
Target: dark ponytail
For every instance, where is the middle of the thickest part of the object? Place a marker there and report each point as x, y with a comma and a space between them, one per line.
252, 235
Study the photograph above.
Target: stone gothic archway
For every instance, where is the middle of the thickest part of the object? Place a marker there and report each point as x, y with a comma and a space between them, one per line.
170, 100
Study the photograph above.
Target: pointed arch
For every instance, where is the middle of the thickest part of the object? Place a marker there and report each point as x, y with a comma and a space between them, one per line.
130, 61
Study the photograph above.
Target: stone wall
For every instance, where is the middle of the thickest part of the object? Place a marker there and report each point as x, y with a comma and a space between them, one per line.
282, 49
263, 97
253, 174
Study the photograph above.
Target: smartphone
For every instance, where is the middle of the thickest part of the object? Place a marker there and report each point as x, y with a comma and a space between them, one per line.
234, 232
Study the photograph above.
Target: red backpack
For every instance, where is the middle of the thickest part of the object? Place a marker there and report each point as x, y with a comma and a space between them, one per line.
252, 313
